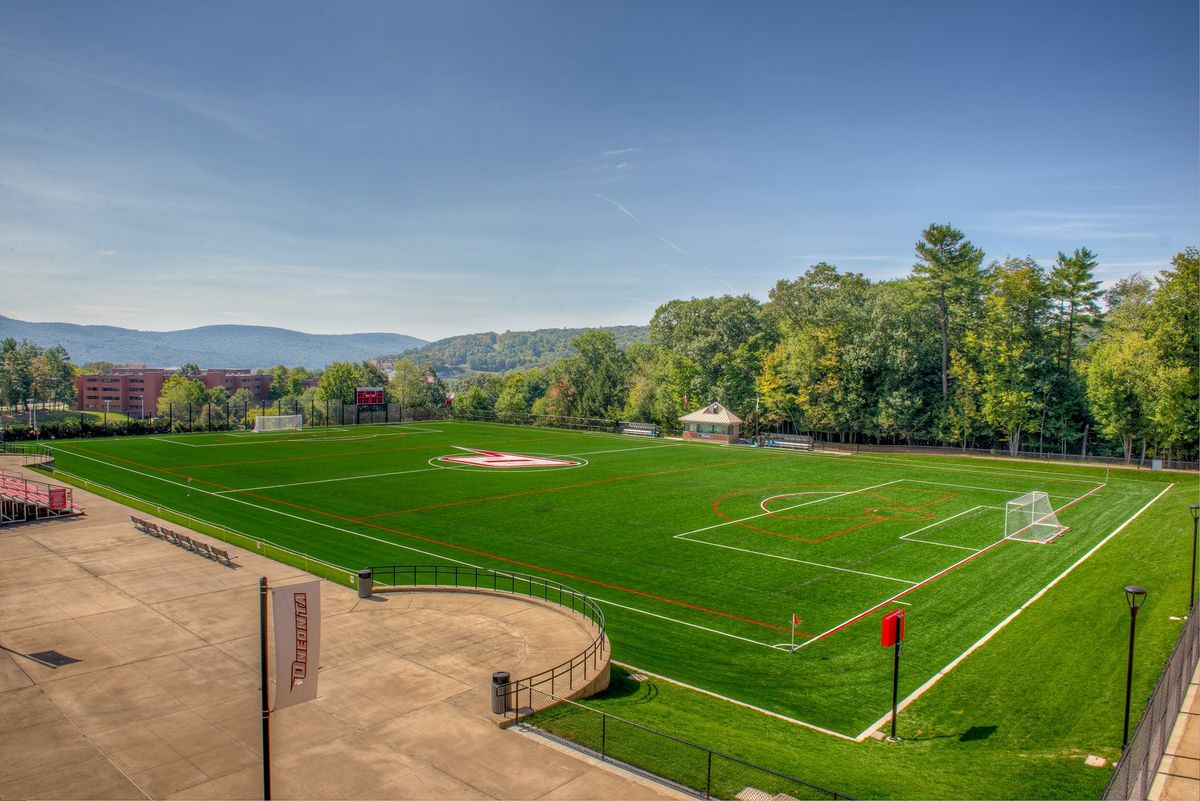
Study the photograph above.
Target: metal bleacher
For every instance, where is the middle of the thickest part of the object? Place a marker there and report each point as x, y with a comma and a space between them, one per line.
22, 499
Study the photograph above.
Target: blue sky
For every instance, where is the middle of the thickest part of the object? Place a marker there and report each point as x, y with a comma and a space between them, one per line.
451, 167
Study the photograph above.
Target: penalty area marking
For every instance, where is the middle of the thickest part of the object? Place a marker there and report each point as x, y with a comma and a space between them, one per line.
800, 561
686, 534
917, 693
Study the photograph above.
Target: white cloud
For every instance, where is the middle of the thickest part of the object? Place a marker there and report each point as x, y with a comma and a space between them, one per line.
619, 151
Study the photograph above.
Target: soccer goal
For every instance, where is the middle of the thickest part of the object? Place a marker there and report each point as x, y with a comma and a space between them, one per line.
1031, 518
279, 422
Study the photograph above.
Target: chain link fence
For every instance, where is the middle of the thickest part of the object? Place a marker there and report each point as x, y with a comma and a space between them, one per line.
1135, 770
685, 765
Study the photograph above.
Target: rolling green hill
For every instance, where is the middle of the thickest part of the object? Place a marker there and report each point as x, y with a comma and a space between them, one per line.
490, 352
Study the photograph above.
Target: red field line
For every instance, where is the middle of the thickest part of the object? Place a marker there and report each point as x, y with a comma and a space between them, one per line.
464, 548
872, 518
524, 493
939, 574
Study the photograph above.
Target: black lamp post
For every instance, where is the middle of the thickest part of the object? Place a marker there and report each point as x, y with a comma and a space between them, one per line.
1195, 510
1135, 596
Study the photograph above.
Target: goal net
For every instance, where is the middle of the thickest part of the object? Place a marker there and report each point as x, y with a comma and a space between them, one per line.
1031, 518
279, 422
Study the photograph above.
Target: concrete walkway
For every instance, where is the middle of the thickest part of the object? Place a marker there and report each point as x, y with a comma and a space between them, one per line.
1178, 776
160, 698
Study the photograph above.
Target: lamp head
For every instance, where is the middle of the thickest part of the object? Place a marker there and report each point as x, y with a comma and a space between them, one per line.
1135, 595
1195, 510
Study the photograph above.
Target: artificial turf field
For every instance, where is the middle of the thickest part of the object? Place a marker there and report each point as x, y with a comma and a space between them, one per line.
700, 554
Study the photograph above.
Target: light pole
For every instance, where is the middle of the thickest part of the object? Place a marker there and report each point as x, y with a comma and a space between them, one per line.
1195, 510
106, 404
1135, 596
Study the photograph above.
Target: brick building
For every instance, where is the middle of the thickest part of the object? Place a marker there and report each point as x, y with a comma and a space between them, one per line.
134, 390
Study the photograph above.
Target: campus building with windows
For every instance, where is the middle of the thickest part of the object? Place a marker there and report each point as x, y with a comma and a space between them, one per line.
134, 390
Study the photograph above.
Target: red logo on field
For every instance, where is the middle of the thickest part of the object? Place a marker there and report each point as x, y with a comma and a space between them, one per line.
480, 458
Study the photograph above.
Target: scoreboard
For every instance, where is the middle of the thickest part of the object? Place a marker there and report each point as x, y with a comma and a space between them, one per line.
368, 396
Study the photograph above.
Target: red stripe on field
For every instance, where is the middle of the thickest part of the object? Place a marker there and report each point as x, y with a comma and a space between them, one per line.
561, 487
464, 548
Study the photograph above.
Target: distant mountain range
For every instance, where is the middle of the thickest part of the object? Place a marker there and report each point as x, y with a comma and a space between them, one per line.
490, 352
250, 346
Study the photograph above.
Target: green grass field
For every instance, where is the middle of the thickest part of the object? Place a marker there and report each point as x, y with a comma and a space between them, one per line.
700, 554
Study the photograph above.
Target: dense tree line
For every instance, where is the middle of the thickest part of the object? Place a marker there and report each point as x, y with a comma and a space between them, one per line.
29, 372
1000, 354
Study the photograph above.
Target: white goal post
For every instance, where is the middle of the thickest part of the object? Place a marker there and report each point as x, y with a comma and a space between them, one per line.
1031, 518
279, 422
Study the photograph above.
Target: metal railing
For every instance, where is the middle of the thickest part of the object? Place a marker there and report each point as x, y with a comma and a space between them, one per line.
1135, 770
684, 765
34, 454
571, 674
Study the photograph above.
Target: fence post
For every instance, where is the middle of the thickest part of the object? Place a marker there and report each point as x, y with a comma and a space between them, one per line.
603, 735
708, 780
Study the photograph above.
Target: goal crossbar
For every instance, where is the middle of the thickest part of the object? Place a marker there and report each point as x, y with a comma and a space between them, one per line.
279, 422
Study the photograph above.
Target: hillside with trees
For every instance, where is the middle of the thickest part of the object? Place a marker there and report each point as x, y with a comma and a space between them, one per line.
490, 352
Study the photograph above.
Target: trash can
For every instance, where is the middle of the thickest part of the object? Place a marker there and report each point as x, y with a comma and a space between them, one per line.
366, 582
499, 692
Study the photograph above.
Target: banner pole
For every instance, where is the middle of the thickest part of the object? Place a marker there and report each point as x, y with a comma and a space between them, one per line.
266, 708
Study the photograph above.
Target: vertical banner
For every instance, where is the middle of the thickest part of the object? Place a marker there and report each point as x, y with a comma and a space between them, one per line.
296, 610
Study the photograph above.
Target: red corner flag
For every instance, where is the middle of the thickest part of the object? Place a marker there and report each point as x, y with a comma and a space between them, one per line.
795, 619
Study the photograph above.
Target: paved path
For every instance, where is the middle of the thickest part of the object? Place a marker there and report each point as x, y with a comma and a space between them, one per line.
1178, 776
163, 700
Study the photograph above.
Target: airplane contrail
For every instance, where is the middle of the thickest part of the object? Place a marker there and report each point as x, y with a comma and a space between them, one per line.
625, 210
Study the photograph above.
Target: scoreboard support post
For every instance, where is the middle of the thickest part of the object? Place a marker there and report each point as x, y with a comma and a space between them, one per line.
891, 636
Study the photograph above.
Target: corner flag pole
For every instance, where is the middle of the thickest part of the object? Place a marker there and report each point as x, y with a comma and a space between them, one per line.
795, 622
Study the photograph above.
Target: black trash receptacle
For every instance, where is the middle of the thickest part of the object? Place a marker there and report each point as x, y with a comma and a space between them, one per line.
366, 583
499, 692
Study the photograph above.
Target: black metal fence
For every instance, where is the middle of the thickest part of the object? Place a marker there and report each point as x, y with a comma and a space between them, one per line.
688, 766
571, 674
1135, 770
1148, 463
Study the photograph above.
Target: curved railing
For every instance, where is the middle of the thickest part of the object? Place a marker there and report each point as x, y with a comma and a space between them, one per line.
574, 673
35, 454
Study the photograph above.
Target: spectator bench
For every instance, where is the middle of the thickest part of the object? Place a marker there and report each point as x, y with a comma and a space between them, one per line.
220, 555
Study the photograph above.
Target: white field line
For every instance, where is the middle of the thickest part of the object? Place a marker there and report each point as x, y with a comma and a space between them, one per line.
325, 481
801, 561
621, 450
681, 622
996, 629
244, 502
984, 489
382, 541
289, 440
787, 508
936, 523
983, 470
735, 701
936, 575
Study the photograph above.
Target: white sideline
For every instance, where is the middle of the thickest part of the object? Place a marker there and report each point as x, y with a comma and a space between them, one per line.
735, 701
324, 481
996, 629
244, 502
984, 489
